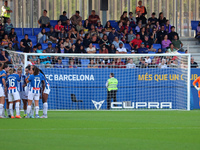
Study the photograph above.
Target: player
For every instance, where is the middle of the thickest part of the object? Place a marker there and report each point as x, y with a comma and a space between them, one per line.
34, 92
13, 93
21, 88
198, 88
3, 88
45, 94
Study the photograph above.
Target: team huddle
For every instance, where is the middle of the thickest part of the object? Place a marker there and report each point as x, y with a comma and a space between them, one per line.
14, 87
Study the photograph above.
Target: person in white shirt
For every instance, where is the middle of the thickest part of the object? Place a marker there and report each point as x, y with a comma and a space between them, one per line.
91, 49
130, 65
121, 49
163, 64
148, 60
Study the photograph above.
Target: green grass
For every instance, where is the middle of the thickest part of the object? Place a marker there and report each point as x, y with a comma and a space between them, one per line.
102, 130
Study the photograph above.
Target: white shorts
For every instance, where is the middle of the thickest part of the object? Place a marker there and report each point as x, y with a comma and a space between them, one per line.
2, 93
23, 95
13, 96
47, 91
33, 96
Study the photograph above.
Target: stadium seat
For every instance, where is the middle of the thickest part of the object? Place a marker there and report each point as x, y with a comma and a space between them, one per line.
96, 46
20, 38
44, 46
194, 24
85, 62
36, 30
47, 29
65, 62
150, 52
156, 46
19, 31
53, 22
54, 45
83, 21
113, 23
127, 46
33, 39
28, 31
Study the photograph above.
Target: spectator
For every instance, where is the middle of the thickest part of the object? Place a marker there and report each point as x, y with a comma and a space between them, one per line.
73, 35
154, 36
86, 26
193, 63
168, 27
130, 65
68, 26
165, 43
86, 40
162, 64
148, 29
12, 34
54, 60
42, 37
136, 41
152, 21
40, 50
108, 27
142, 48
67, 44
99, 26
91, 49
142, 63
157, 26
5, 41
112, 35
4, 57
59, 64
132, 20
159, 51
141, 18
171, 48
172, 33
148, 43
62, 49
130, 36
112, 49
73, 49
140, 9
153, 64
101, 34
1, 25
142, 33
124, 35
198, 31
82, 35
71, 64
103, 50
128, 27
10, 48
52, 36
147, 60
63, 18
8, 26
82, 50
93, 31
5, 11
50, 49
44, 21
134, 50
124, 18
78, 45
62, 34
120, 64
59, 26
121, 49
138, 27
116, 42
92, 64
79, 26
119, 27
104, 41
93, 18
161, 19
94, 39
177, 43
75, 19
161, 34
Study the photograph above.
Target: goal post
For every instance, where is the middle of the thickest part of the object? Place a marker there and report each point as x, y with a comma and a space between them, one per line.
145, 81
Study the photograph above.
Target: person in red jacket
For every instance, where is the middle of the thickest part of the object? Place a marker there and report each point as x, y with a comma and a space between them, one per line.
136, 41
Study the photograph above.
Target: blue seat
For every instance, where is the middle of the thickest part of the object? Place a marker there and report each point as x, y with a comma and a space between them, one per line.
96, 46
47, 29
65, 62
85, 62
83, 21
194, 24
33, 39
53, 22
20, 38
19, 31
150, 52
157, 46
44, 46
37, 30
28, 31
127, 46
54, 45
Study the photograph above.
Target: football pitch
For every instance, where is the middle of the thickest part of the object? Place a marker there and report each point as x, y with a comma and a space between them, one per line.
104, 130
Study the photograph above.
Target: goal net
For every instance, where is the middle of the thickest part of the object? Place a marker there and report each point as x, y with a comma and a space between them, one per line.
145, 81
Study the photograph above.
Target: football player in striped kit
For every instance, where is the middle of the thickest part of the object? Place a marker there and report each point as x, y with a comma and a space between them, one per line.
35, 80
21, 88
13, 93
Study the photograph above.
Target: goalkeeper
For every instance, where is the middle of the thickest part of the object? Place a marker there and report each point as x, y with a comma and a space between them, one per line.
111, 85
198, 88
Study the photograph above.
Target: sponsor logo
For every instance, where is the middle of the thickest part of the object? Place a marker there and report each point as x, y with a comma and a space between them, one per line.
98, 104
70, 77
136, 105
